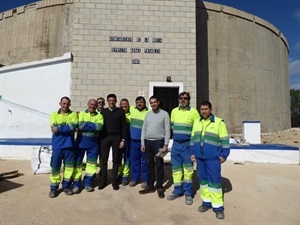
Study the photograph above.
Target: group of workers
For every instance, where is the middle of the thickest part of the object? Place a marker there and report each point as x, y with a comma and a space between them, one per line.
136, 136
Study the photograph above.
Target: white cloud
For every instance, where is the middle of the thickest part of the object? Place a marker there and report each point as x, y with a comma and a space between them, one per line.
294, 67
294, 70
297, 46
297, 13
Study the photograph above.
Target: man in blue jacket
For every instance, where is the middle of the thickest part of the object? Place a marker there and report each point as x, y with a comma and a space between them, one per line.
89, 126
63, 126
210, 148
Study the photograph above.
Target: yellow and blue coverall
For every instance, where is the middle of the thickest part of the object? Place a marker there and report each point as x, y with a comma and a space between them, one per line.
210, 141
137, 157
87, 141
182, 121
63, 147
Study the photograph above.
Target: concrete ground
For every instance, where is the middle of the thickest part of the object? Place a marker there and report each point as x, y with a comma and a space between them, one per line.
253, 193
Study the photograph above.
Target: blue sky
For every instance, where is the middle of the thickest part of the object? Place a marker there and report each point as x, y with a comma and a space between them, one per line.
283, 14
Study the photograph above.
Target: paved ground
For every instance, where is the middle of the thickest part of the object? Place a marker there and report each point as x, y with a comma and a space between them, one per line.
265, 194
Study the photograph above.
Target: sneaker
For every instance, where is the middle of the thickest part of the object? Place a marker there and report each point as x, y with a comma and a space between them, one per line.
220, 215
68, 191
89, 188
125, 182
144, 185
203, 208
160, 193
188, 200
53, 193
171, 197
132, 183
76, 190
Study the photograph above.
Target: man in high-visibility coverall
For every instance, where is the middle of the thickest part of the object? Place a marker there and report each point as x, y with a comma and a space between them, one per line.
124, 168
137, 157
90, 124
182, 120
63, 126
210, 148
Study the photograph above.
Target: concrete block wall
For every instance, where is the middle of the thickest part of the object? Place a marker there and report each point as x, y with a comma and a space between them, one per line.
97, 71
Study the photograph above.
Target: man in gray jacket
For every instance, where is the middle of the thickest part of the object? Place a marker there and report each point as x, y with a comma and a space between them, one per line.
155, 136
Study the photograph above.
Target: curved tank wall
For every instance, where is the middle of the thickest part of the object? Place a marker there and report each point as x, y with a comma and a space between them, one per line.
242, 68
37, 31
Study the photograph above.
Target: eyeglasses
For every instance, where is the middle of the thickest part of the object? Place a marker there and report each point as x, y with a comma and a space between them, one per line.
184, 98
100, 102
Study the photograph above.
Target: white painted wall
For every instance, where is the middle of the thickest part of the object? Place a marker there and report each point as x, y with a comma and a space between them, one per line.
29, 93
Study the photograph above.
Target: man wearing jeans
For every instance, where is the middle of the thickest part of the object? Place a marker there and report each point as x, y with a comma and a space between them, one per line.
155, 136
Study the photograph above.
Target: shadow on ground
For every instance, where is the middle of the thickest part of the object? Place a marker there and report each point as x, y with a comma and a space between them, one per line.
7, 185
168, 180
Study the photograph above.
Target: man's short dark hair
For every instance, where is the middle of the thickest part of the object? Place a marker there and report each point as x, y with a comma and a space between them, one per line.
207, 103
111, 96
65, 97
140, 98
154, 97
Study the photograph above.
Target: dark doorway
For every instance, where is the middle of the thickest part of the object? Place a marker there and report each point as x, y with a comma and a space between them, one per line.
168, 97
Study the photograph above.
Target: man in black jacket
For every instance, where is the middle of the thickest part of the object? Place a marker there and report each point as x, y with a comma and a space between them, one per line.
113, 136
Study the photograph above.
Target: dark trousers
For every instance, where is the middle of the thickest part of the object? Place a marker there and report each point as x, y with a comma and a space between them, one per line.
154, 162
107, 142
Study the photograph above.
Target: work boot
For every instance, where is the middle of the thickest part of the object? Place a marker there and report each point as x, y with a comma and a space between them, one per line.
144, 185
76, 190
68, 191
125, 181
220, 215
172, 197
89, 188
132, 183
203, 208
53, 193
188, 200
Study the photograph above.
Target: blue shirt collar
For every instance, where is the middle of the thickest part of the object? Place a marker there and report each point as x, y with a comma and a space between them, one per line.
187, 108
212, 118
59, 111
95, 113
